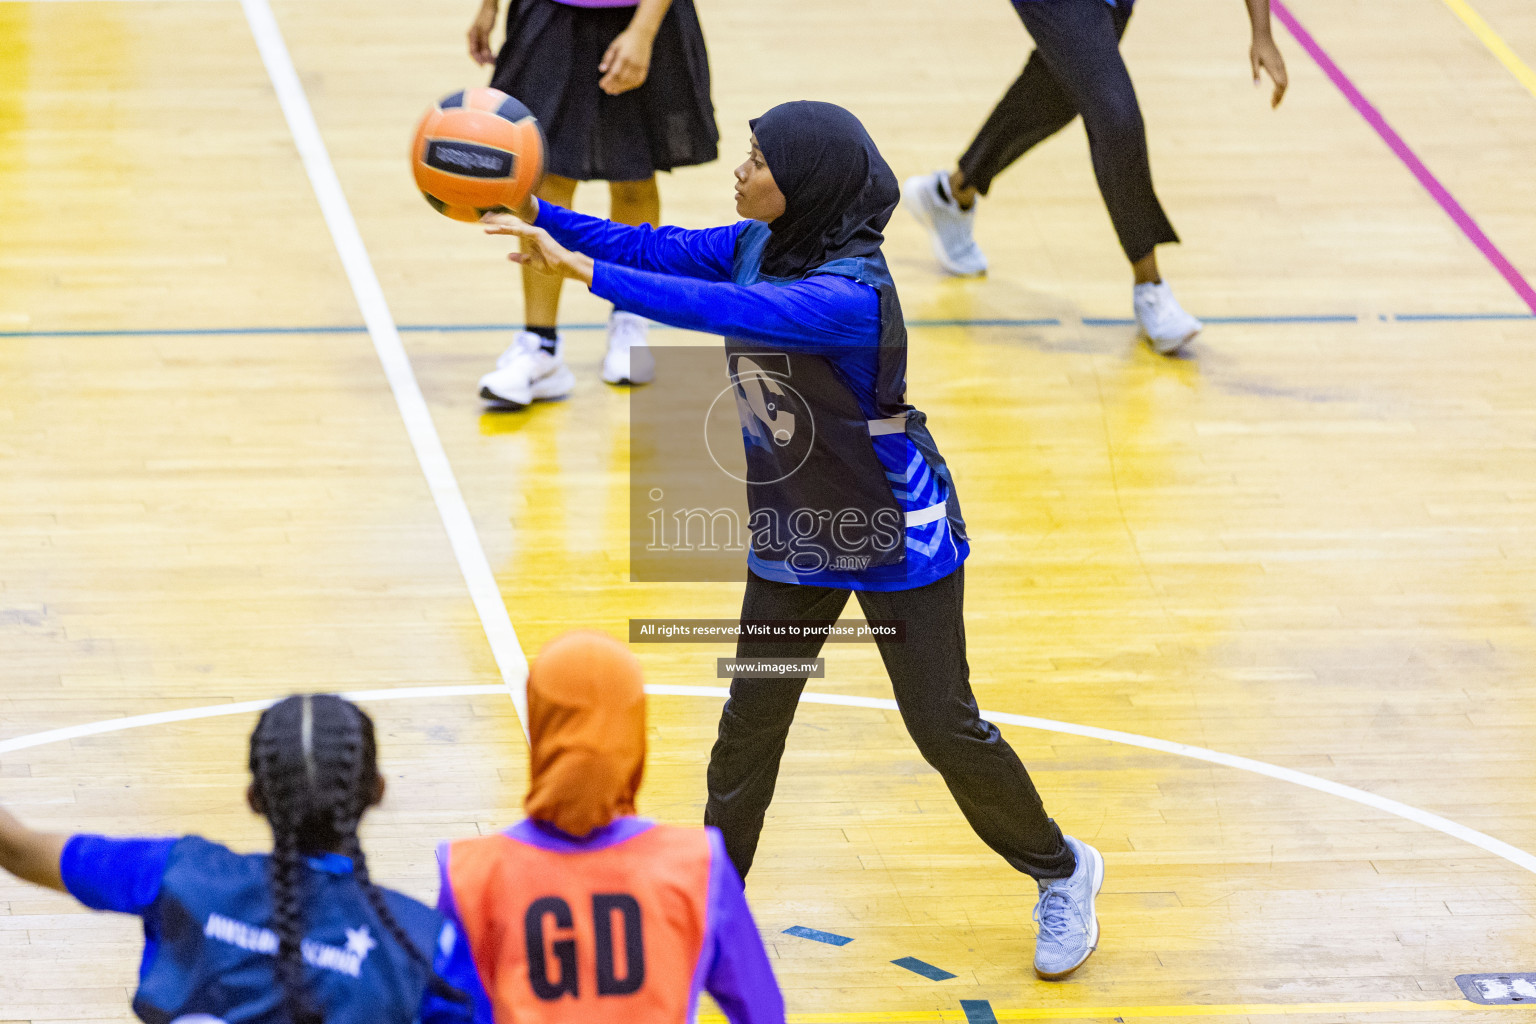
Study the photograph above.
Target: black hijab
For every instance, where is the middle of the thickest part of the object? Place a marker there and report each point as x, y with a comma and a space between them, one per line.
838, 190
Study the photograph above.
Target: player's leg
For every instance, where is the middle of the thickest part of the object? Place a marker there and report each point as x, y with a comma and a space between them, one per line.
1033, 109
537, 63
1080, 39
634, 202
667, 121
628, 360
541, 292
533, 366
931, 680
744, 764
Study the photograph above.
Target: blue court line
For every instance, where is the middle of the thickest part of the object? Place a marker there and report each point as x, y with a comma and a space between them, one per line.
471, 328
1452, 317
1087, 321
978, 1011
1321, 318
928, 971
175, 332
816, 935
1324, 318
1049, 321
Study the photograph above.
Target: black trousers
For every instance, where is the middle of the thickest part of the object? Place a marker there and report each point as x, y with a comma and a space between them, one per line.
1076, 68
933, 690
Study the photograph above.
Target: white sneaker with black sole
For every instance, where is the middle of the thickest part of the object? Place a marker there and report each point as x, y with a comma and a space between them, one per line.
1165, 323
949, 228
629, 359
526, 373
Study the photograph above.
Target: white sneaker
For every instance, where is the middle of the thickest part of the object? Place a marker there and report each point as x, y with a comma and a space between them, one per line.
525, 374
1069, 924
629, 360
948, 226
1167, 326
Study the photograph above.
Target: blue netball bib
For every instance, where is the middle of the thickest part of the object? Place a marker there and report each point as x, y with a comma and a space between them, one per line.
215, 955
825, 500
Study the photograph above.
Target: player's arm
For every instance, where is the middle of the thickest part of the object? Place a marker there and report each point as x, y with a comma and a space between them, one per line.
739, 977
454, 961
455, 964
121, 875
628, 61
31, 855
810, 315
1264, 54
819, 314
706, 254
480, 33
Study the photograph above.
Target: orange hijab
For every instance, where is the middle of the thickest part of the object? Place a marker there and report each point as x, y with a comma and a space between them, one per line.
586, 725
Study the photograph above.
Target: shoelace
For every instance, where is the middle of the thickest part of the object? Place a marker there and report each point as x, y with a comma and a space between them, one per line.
1058, 914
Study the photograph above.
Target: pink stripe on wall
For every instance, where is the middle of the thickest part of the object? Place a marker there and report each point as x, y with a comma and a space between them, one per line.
1395, 142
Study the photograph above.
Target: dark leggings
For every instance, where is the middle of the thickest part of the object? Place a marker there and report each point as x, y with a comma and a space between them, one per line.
1077, 68
933, 690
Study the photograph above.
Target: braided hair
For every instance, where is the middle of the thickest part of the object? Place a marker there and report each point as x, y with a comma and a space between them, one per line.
314, 770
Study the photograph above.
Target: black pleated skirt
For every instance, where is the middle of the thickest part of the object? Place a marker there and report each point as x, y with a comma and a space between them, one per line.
550, 60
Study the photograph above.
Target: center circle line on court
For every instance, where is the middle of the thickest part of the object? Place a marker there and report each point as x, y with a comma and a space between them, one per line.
1513, 854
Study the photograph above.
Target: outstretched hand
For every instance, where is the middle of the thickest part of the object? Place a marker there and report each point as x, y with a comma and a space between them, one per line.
1265, 55
539, 251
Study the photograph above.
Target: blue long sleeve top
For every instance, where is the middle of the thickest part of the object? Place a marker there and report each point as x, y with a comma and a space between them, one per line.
683, 278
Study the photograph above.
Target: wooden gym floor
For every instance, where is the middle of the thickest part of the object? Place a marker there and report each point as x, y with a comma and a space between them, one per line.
1310, 543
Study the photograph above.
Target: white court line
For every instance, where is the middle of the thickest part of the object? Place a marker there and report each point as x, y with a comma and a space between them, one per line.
397, 365
1497, 847
75, 732
1482, 841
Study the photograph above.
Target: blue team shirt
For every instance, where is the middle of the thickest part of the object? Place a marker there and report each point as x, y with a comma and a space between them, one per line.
683, 278
125, 876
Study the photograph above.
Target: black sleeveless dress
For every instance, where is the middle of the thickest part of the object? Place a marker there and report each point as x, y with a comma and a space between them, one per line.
550, 60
